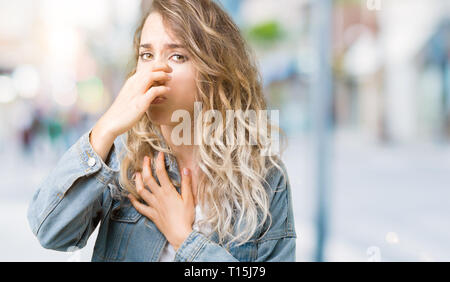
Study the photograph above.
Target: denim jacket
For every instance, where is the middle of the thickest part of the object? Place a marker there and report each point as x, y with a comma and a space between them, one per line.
82, 191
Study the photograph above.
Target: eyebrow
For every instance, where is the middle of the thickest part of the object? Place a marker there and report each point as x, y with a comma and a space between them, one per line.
167, 46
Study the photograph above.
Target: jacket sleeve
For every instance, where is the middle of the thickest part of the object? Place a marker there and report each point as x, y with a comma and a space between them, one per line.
276, 245
69, 203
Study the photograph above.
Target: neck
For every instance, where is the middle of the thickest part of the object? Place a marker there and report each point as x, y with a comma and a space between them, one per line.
183, 153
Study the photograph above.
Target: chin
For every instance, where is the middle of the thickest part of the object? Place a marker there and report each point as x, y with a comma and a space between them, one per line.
158, 115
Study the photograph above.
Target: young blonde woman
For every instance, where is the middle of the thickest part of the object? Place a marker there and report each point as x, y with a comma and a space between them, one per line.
158, 199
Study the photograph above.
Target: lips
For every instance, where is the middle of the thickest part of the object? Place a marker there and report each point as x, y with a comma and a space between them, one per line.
159, 100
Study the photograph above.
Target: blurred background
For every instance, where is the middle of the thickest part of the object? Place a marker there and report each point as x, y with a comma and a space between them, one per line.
363, 89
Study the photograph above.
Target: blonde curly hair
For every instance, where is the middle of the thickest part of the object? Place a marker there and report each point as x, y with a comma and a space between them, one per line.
233, 176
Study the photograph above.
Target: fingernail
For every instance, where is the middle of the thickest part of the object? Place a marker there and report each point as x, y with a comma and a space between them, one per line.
145, 159
186, 171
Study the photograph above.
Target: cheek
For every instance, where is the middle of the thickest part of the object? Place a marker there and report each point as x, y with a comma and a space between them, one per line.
138, 65
183, 86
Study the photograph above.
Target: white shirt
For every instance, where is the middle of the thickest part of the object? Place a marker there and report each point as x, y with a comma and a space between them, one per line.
168, 253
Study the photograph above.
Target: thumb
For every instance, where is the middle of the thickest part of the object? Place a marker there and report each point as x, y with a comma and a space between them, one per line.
186, 186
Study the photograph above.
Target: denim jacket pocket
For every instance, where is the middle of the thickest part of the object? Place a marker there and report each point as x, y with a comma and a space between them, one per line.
124, 212
116, 232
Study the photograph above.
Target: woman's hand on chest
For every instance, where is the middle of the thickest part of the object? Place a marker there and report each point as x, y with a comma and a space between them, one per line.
171, 212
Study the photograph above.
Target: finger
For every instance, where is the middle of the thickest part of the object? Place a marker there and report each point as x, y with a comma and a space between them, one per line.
154, 92
158, 78
139, 183
186, 186
161, 171
147, 175
143, 209
146, 195
148, 78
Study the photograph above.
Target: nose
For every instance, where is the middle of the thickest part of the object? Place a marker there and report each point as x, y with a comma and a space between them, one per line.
161, 66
